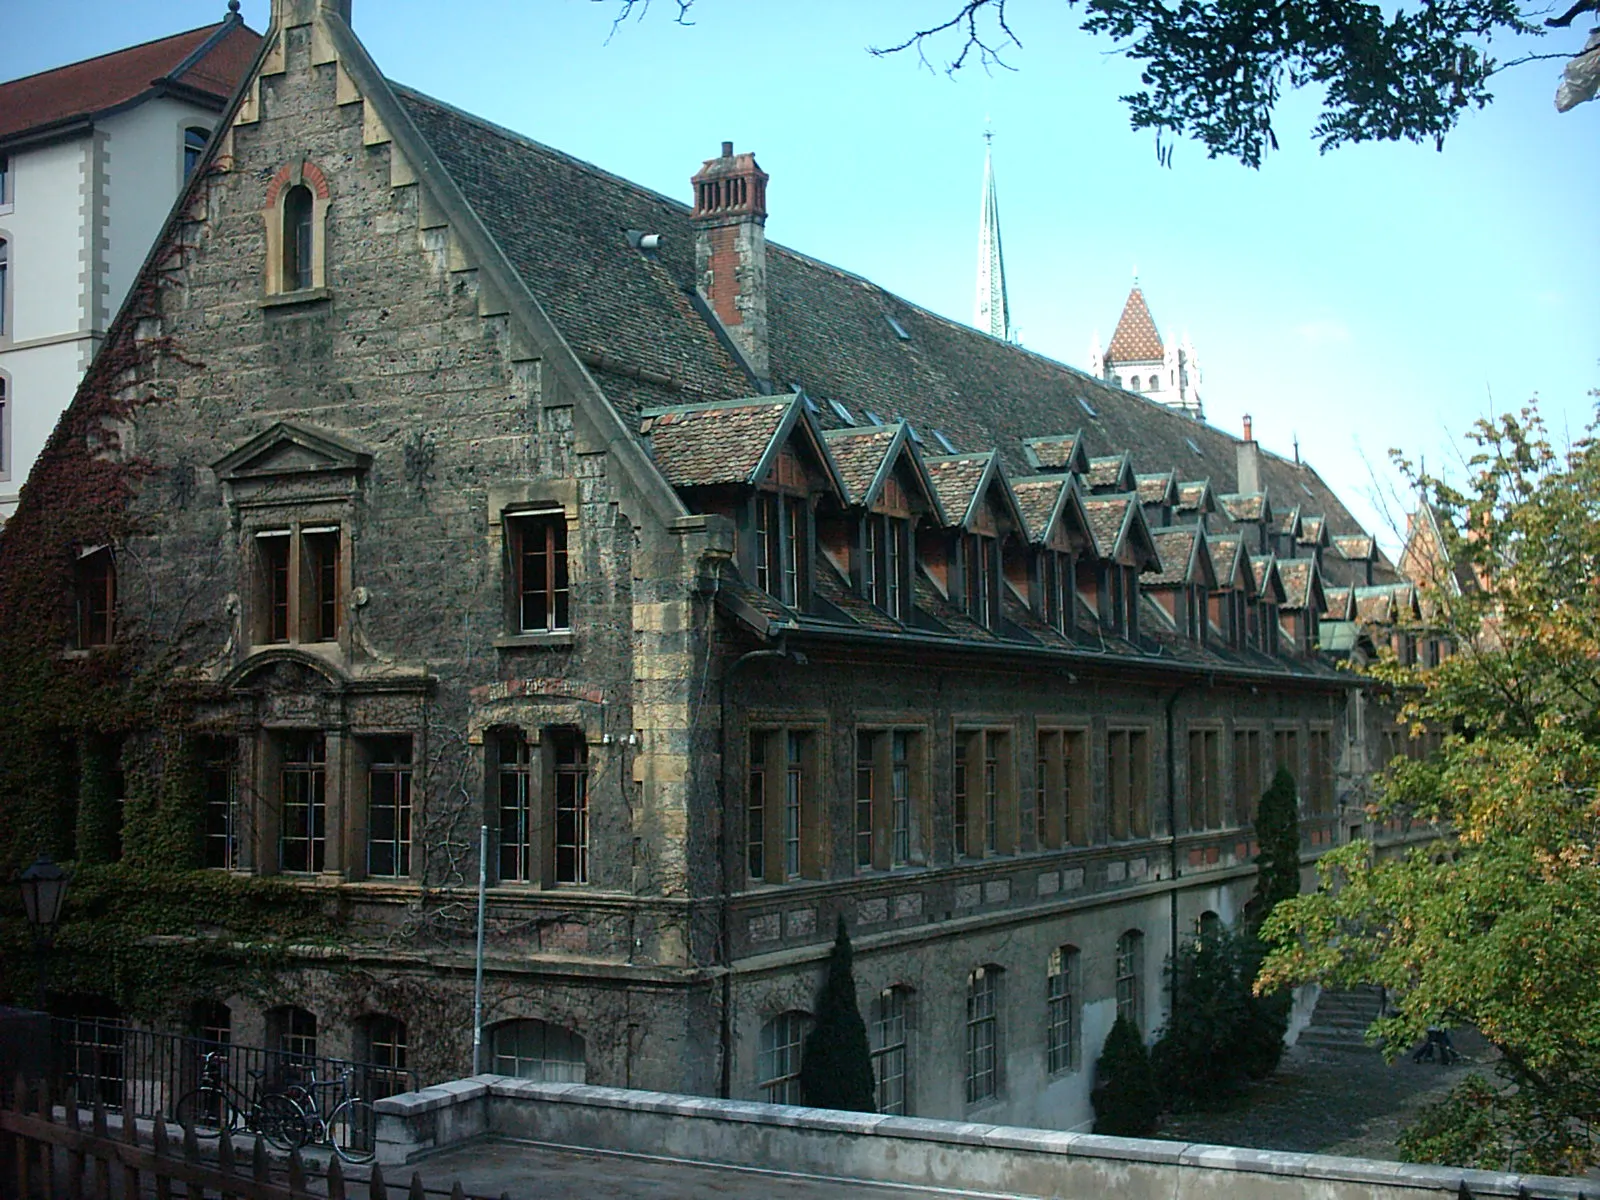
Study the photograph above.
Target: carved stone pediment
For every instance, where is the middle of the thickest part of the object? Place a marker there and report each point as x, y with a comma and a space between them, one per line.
292, 464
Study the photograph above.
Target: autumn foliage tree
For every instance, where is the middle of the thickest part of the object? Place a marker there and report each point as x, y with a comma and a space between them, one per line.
1496, 924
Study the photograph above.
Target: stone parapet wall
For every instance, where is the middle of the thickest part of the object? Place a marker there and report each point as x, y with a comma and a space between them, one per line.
908, 1150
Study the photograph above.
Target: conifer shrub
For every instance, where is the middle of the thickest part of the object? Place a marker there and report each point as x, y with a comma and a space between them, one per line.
1278, 831
1125, 1096
836, 1061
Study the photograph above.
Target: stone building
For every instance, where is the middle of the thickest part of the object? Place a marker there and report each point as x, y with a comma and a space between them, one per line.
733, 593
1138, 360
92, 156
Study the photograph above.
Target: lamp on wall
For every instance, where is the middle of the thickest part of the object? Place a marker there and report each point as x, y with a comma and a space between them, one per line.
44, 895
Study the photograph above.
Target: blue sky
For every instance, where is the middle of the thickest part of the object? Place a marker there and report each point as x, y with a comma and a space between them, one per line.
1373, 297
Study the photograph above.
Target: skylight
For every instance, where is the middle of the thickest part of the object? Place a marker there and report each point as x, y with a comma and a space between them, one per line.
873, 418
840, 411
811, 405
938, 436
915, 436
1084, 404
1195, 448
899, 329
1307, 490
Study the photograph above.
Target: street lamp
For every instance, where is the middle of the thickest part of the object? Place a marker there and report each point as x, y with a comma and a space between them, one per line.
44, 894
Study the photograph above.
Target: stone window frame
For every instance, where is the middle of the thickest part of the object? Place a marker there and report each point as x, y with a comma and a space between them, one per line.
779, 1049
1064, 1010
1004, 822
303, 173
1135, 824
893, 1014
886, 845
1246, 792
292, 1031
984, 1044
304, 592
567, 1068
1287, 743
1321, 769
1063, 786
810, 834
1213, 800
532, 498
540, 771
1128, 974
402, 838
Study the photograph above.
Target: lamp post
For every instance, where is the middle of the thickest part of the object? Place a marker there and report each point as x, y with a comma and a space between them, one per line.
44, 894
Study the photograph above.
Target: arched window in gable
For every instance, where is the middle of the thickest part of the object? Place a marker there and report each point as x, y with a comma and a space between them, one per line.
296, 216
297, 239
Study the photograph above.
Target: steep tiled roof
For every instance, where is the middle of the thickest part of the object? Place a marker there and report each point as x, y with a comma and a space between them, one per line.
1251, 507
1287, 523
1357, 547
956, 478
1058, 453
860, 454
562, 223
1340, 604
1107, 516
696, 445
1177, 550
1268, 579
1313, 530
1196, 496
1136, 339
1110, 470
210, 60
1297, 575
1037, 496
1158, 489
1375, 605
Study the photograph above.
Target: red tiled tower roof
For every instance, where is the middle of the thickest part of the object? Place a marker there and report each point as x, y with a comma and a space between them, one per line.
1136, 339
203, 63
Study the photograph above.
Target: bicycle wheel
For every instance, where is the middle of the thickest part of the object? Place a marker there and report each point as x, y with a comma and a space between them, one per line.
282, 1122
353, 1129
207, 1111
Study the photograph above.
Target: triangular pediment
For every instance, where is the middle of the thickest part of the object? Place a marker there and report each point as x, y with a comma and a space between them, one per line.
287, 449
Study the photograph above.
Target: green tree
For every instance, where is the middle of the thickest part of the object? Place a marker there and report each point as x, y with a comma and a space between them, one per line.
1125, 1096
836, 1063
1278, 831
1214, 70
1496, 923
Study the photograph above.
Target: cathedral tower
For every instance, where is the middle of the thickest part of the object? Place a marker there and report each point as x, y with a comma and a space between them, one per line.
991, 313
1139, 361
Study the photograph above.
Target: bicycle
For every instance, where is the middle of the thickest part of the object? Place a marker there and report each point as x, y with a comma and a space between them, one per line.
349, 1129
215, 1107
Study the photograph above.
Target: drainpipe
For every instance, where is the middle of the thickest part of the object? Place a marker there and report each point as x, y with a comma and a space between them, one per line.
725, 1032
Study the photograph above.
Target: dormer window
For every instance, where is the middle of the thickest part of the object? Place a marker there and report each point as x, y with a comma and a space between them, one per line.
885, 552
1056, 573
981, 570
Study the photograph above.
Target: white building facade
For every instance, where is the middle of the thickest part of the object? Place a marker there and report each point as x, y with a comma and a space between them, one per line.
92, 156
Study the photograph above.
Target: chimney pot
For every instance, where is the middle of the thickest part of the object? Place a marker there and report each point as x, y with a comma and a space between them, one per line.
730, 249
1247, 436
727, 149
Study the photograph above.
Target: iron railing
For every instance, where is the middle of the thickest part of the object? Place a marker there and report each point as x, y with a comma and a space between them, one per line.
101, 1060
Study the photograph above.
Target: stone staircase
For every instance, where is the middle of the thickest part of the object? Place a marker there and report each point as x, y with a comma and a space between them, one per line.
1340, 1019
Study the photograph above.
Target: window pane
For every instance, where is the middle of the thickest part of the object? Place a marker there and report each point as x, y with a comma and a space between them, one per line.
756, 810
864, 815
889, 1050
389, 807
572, 810
302, 838
516, 808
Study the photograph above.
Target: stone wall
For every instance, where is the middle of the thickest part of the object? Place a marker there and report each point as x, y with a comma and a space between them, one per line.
900, 1150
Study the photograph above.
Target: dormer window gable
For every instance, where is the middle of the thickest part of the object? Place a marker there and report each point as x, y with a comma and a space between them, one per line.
1059, 535
1057, 453
982, 512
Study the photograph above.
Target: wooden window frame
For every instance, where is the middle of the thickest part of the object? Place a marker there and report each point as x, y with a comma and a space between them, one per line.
985, 1057
540, 537
988, 823
1062, 786
890, 1046
313, 830
778, 1056
889, 772
219, 768
1128, 970
1245, 769
95, 598
300, 583
1203, 774
390, 789
1128, 782
790, 776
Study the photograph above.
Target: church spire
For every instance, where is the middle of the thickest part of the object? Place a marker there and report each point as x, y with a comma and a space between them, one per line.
991, 312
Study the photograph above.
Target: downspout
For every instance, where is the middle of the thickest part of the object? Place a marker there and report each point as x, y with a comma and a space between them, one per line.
725, 1032
1172, 848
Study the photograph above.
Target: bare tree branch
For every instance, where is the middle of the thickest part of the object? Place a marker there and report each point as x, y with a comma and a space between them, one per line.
1566, 18
987, 45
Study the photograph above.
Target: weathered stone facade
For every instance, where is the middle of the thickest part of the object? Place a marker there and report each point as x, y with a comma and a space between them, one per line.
348, 475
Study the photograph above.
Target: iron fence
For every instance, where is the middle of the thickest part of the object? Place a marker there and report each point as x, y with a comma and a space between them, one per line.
102, 1060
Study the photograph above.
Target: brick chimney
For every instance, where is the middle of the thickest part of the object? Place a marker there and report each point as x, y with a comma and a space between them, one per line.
1249, 462
730, 249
